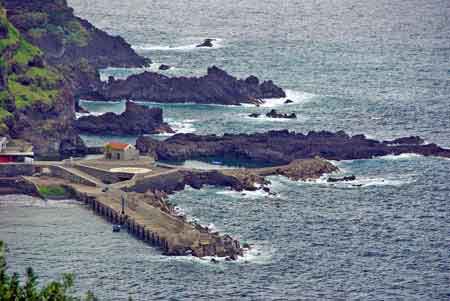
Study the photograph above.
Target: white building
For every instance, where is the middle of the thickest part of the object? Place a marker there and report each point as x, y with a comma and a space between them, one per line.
3, 142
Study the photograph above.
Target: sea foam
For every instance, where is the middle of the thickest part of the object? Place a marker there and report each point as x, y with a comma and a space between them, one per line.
217, 43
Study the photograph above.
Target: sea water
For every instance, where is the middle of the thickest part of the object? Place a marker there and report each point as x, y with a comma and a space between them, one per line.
375, 67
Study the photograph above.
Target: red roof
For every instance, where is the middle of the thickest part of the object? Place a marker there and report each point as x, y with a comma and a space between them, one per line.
117, 145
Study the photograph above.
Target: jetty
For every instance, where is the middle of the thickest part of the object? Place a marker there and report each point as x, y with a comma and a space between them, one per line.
147, 216
133, 194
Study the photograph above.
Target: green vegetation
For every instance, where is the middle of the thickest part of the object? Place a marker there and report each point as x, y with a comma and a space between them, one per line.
12, 290
52, 191
25, 53
43, 76
13, 34
27, 81
28, 95
76, 33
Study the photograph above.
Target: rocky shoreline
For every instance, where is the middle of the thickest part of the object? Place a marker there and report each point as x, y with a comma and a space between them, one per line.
283, 147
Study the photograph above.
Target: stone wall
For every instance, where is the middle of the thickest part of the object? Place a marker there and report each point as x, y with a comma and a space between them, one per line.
167, 182
17, 185
16, 170
106, 177
61, 172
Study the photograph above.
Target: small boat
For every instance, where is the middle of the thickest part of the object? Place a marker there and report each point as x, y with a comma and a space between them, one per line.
216, 162
116, 228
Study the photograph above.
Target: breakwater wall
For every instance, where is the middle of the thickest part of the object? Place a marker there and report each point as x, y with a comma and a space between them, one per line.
177, 180
115, 217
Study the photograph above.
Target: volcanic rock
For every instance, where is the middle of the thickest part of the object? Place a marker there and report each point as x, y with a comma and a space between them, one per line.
136, 120
164, 67
217, 87
206, 43
275, 114
343, 179
279, 147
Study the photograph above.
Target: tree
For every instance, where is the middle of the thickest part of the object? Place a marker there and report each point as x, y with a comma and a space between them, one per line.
12, 290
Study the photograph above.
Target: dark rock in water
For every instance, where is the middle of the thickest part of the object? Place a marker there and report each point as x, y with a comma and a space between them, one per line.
266, 189
288, 101
79, 108
246, 246
412, 140
206, 43
280, 147
164, 67
254, 115
136, 120
213, 260
217, 87
343, 179
275, 114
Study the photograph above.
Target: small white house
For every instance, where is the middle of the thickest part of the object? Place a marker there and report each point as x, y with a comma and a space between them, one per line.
3, 142
120, 151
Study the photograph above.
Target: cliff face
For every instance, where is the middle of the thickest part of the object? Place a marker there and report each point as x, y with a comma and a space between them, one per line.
36, 103
72, 45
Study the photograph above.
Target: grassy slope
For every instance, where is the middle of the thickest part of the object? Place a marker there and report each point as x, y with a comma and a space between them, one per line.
26, 83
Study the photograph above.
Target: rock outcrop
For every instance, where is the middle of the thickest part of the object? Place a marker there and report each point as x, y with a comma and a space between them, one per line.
217, 87
207, 43
281, 147
275, 114
136, 120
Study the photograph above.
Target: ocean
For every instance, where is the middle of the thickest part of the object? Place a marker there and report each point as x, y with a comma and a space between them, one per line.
381, 68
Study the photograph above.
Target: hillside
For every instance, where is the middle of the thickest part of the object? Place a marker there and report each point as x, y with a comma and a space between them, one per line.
35, 100
71, 44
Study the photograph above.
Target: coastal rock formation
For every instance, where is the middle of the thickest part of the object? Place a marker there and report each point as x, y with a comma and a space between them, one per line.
136, 120
275, 114
164, 67
206, 43
217, 87
235, 179
302, 169
71, 44
280, 147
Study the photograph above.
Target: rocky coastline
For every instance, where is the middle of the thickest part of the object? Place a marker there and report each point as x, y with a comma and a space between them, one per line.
135, 120
283, 147
216, 87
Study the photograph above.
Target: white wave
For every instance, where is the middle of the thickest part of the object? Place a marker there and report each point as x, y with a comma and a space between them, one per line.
298, 97
245, 194
79, 115
102, 102
260, 253
281, 183
185, 126
217, 43
264, 118
407, 156
368, 181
